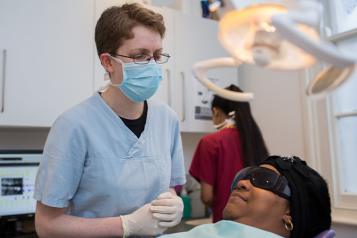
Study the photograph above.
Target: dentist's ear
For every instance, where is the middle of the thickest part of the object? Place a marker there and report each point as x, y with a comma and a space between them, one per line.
107, 62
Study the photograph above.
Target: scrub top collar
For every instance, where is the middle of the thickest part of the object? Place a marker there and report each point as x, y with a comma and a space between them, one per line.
117, 121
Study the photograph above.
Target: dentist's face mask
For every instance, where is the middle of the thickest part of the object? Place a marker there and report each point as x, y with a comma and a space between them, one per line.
140, 82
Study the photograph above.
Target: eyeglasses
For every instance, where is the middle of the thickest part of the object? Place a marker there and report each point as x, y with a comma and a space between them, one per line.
145, 59
263, 178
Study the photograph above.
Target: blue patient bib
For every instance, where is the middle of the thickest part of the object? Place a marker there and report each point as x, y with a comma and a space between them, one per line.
224, 229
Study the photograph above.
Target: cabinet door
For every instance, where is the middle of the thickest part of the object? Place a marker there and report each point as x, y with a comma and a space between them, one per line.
48, 66
164, 92
196, 40
100, 7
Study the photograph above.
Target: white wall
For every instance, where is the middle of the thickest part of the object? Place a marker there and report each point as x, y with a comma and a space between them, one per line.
189, 7
189, 143
162, 2
276, 108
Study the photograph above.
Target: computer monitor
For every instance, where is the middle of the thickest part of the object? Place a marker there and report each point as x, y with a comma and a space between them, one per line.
18, 169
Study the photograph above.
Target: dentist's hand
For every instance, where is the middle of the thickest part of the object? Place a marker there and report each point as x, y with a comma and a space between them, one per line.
141, 223
168, 208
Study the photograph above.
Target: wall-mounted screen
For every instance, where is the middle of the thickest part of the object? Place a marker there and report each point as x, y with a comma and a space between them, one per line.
18, 171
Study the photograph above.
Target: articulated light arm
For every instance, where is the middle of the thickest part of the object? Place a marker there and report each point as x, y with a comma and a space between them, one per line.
288, 43
199, 70
308, 14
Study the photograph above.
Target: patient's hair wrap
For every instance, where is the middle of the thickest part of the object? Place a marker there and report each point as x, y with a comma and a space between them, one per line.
310, 200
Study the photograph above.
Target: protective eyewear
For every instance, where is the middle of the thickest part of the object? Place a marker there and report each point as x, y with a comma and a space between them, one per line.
263, 178
145, 59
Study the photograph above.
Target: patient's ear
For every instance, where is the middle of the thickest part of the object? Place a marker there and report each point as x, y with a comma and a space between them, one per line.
288, 216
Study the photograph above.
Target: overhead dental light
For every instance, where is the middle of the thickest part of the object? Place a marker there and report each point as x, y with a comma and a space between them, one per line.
275, 35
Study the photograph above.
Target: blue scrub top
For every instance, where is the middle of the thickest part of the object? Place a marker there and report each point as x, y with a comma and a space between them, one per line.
96, 167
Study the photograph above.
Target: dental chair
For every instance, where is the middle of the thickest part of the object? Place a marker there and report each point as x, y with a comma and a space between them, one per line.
326, 234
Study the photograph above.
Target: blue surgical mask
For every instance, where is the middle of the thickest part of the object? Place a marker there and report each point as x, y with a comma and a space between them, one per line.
140, 82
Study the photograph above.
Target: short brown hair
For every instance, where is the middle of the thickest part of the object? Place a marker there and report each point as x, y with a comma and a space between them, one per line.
116, 23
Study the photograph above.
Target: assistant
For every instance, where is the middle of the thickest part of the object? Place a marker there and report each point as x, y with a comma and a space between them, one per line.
219, 156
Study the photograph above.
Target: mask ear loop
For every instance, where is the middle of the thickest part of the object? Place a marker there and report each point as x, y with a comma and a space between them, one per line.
220, 125
229, 121
107, 76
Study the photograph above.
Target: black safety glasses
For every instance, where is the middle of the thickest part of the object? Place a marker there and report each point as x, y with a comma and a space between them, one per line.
263, 178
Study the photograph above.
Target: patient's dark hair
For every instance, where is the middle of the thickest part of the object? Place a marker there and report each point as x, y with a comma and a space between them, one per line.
310, 200
250, 137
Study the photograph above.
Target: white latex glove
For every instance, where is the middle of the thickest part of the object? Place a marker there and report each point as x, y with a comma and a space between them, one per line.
168, 208
141, 223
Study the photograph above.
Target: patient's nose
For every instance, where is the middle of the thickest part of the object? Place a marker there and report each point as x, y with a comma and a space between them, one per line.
244, 185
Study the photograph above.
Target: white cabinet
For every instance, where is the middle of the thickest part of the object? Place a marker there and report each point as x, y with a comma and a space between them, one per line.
166, 90
196, 40
49, 59
49, 62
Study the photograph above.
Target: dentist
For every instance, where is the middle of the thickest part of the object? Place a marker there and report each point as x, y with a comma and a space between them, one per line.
109, 163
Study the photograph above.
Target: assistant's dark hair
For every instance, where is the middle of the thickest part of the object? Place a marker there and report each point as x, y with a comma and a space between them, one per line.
252, 142
310, 200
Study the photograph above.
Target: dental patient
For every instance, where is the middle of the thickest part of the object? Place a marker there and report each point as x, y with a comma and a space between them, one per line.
282, 197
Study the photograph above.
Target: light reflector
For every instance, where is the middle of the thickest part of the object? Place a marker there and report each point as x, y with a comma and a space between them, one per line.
248, 35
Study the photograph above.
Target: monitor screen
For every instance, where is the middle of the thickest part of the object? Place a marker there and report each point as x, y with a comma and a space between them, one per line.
18, 171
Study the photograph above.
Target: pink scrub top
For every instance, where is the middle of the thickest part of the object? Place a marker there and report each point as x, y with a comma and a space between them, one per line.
216, 161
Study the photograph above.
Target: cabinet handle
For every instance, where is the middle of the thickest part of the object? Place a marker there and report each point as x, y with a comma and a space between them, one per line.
3, 82
169, 83
183, 97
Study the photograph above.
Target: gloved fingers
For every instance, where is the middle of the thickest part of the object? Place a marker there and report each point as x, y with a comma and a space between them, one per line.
163, 209
169, 224
166, 195
164, 202
141, 222
165, 217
